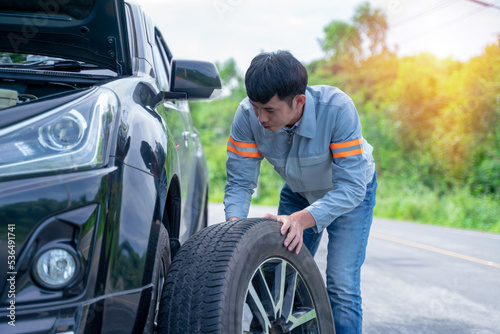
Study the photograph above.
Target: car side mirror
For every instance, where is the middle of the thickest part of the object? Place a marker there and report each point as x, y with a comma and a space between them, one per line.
191, 80
200, 80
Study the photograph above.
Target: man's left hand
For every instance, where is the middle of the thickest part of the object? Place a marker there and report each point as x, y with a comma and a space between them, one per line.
294, 224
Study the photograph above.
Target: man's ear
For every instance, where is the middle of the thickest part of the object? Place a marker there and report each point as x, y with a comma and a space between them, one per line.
300, 99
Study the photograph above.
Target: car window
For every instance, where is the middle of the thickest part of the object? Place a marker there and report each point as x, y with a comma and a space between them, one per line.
160, 68
167, 54
131, 31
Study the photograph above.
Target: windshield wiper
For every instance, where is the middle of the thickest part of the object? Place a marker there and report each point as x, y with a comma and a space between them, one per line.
59, 65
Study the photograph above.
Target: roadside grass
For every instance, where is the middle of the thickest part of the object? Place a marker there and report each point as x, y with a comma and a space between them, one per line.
397, 199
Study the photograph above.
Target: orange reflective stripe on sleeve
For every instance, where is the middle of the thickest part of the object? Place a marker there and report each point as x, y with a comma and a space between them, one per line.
243, 149
348, 154
241, 144
347, 149
347, 144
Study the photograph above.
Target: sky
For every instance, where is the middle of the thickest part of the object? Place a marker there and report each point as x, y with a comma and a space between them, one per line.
216, 30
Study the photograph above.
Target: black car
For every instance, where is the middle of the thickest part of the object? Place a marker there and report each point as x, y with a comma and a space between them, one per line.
103, 178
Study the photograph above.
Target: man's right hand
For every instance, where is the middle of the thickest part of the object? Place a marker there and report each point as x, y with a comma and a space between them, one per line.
232, 218
294, 226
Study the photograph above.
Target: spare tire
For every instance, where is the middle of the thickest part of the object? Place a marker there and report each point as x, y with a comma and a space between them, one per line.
237, 277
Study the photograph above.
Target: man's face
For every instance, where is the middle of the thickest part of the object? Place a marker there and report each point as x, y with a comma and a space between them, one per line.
276, 114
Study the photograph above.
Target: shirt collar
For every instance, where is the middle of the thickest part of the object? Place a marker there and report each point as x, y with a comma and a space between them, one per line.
307, 126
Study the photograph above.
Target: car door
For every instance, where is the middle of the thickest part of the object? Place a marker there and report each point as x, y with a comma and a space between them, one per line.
178, 121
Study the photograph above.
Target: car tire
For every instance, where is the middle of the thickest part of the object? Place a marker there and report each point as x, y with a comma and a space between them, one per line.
237, 277
163, 260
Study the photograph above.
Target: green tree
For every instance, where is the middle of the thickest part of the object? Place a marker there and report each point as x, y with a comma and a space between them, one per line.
469, 130
372, 27
356, 55
344, 42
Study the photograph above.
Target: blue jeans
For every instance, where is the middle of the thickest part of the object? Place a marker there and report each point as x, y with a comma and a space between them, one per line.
347, 240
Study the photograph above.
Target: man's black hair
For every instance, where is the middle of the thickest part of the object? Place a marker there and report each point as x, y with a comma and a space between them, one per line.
273, 73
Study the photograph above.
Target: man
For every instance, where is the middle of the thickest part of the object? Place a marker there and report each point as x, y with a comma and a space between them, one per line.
312, 137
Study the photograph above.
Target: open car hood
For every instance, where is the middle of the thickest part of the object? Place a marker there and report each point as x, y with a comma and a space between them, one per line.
93, 31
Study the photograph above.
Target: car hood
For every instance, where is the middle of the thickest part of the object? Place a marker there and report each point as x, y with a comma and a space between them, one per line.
93, 31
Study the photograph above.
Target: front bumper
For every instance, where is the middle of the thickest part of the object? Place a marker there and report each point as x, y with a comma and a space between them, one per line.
35, 212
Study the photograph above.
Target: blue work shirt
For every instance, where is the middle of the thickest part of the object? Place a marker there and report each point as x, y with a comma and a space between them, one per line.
323, 157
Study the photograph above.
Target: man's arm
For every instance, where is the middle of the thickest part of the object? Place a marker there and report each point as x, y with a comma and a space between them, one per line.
350, 169
242, 166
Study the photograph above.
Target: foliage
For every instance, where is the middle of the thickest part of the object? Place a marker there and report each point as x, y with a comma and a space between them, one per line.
12, 57
407, 199
434, 124
349, 44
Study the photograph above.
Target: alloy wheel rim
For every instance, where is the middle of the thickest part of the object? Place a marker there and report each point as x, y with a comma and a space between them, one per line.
278, 301
161, 281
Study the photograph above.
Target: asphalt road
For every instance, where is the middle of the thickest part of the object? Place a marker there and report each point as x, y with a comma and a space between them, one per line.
420, 278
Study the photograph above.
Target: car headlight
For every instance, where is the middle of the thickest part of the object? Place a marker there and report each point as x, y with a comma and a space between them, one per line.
71, 137
65, 132
55, 268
